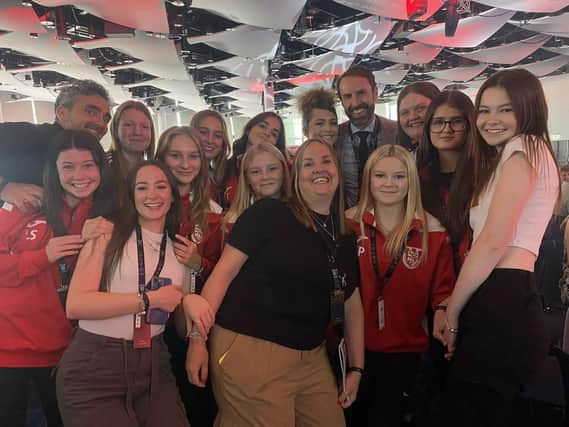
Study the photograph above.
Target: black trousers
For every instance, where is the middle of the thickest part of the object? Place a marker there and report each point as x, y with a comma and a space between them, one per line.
468, 404
388, 380
14, 395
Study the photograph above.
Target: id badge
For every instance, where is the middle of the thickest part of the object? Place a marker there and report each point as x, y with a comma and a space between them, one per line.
381, 313
141, 337
337, 307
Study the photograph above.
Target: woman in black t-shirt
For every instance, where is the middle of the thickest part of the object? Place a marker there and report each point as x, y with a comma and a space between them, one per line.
271, 297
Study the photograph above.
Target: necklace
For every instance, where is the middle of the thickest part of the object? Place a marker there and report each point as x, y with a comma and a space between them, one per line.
323, 225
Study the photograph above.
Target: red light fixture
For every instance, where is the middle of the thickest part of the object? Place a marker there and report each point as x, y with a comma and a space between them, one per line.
416, 8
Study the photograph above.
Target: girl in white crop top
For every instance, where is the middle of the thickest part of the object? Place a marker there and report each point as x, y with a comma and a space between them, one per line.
516, 185
127, 379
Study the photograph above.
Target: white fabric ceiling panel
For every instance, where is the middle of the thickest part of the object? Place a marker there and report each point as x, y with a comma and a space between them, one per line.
312, 80
9, 83
508, 53
543, 6
554, 25
156, 69
471, 31
459, 74
13, 17
543, 68
564, 50
183, 91
327, 63
45, 46
118, 94
391, 75
413, 53
391, 9
441, 84
250, 68
244, 40
79, 72
146, 15
360, 37
141, 46
276, 14
244, 96
252, 85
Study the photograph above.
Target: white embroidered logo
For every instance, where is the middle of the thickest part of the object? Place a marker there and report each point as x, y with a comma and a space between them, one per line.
412, 257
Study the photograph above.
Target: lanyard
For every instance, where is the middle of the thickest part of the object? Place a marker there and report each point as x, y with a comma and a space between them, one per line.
382, 281
64, 272
140, 253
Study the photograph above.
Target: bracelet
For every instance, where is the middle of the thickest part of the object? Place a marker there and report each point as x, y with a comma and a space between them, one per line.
195, 335
356, 369
441, 307
140, 304
146, 301
453, 330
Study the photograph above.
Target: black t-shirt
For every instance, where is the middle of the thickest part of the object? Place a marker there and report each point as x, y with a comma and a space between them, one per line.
282, 292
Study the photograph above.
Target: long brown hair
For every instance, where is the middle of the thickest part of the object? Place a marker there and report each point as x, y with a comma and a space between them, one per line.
241, 144
455, 217
199, 187
426, 89
297, 203
128, 219
219, 165
397, 239
530, 110
103, 196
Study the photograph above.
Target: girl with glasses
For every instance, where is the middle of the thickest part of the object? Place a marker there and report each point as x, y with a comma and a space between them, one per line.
442, 162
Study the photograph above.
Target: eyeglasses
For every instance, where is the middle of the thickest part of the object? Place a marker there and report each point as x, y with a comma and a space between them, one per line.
456, 124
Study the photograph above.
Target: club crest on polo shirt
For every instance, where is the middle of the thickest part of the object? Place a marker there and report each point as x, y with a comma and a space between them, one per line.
412, 257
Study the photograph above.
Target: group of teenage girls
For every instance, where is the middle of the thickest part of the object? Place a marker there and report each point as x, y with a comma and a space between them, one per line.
263, 259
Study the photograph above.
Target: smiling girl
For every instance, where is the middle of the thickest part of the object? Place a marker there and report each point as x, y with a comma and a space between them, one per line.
319, 117
38, 253
116, 371
215, 141
268, 360
264, 173
197, 246
405, 267
495, 326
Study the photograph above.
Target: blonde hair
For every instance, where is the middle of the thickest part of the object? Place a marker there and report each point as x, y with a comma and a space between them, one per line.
219, 165
396, 240
297, 203
245, 196
200, 185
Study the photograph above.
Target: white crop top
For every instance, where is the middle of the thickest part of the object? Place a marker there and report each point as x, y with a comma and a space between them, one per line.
125, 280
539, 208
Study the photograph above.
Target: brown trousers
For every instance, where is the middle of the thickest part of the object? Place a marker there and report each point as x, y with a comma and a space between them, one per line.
105, 382
258, 383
